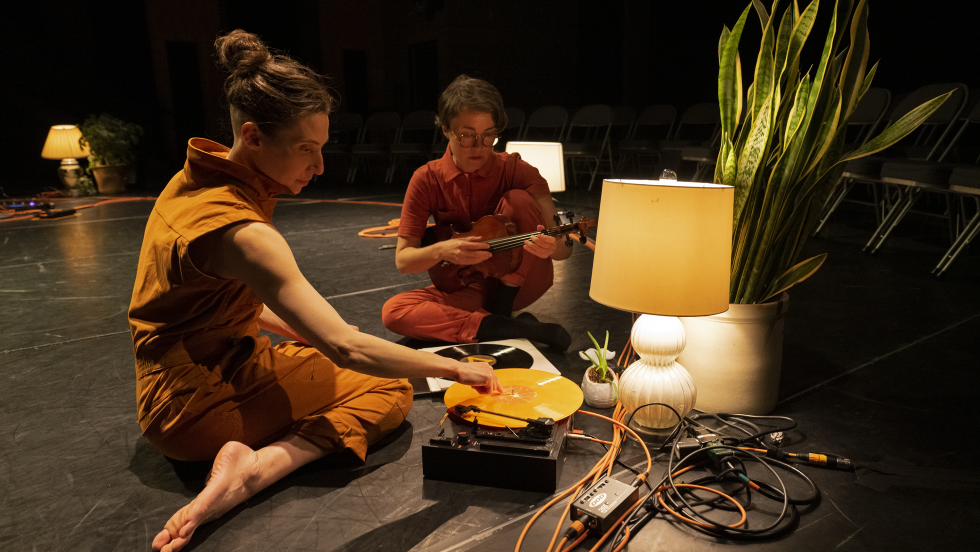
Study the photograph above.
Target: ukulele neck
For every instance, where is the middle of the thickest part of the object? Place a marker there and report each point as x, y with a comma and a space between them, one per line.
517, 240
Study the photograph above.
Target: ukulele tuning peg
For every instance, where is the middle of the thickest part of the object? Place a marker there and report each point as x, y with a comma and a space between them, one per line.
582, 238
568, 241
557, 219
570, 215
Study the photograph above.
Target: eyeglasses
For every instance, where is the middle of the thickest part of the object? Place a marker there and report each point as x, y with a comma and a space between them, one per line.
469, 140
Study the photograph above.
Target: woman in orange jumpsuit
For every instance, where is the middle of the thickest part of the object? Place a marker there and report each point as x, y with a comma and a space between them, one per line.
213, 270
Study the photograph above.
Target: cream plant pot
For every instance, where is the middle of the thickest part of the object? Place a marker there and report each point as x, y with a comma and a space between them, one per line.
598, 395
735, 357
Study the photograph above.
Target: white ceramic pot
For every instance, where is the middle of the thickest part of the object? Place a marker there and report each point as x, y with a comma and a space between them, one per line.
735, 357
597, 395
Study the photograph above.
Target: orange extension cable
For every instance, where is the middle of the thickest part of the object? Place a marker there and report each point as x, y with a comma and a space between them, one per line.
604, 465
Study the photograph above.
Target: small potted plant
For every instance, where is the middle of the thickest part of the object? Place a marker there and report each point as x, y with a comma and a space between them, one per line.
113, 146
599, 383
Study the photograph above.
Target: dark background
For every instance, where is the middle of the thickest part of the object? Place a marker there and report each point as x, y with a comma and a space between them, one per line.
152, 61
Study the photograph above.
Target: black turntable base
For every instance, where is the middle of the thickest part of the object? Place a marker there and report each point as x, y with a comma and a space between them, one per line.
495, 457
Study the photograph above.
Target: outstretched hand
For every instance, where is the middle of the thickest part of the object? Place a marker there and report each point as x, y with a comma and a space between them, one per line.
541, 245
479, 376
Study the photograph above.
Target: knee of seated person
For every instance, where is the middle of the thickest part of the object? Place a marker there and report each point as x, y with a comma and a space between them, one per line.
391, 313
401, 395
518, 199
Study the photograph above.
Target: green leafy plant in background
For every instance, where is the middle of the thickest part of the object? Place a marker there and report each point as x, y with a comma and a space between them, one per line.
783, 149
601, 366
86, 186
112, 141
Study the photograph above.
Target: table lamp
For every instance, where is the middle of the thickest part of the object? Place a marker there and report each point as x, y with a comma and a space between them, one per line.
62, 143
663, 249
546, 157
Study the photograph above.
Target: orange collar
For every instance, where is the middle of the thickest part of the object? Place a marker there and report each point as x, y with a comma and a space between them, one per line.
207, 165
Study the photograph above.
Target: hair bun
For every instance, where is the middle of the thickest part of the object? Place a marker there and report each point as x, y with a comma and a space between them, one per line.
241, 52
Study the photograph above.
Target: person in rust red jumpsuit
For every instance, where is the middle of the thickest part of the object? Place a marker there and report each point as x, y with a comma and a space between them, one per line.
468, 182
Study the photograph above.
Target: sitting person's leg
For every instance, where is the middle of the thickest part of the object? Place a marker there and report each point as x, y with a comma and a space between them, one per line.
273, 392
526, 285
327, 408
534, 277
436, 316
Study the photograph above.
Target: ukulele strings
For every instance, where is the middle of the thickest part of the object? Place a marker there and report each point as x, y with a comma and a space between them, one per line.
510, 242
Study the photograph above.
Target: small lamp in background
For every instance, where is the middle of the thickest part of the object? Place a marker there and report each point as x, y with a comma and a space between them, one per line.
546, 157
663, 249
62, 143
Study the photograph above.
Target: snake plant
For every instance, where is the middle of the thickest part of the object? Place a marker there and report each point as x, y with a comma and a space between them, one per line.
782, 147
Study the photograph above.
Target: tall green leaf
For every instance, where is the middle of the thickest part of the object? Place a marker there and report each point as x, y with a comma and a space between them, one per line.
751, 156
728, 76
763, 84
804, 24
782, 43
795, 275
856, 63
900, 129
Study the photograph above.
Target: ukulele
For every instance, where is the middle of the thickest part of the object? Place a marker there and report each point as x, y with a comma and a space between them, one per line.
506, 246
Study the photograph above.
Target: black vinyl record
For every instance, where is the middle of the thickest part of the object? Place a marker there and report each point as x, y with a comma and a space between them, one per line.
498, 356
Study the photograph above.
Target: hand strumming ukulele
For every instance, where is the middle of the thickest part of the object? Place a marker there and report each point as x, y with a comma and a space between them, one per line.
506, 246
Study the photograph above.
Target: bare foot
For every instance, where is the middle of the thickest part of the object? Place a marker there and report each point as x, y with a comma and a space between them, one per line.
231, 482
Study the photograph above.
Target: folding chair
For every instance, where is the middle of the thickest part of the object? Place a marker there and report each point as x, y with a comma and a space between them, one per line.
964, 181
515, 126
379, 133
624, 117
345, 131
590, 128
416, 137
546, 124
911, 178
654, 125
866, 118
696, 138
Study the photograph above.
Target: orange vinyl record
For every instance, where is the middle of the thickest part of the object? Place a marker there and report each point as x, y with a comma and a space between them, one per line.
527, 394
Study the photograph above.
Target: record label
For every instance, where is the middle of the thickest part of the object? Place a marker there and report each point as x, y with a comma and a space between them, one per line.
498, 356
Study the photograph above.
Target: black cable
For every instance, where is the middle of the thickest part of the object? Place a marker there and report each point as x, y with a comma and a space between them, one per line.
684, 501
814, 498
718, 527
761, 433
727, 423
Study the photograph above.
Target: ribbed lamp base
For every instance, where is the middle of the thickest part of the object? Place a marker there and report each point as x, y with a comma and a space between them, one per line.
657, 377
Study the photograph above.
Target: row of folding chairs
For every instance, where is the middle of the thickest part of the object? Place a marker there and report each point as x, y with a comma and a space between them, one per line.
596, 138
916, 168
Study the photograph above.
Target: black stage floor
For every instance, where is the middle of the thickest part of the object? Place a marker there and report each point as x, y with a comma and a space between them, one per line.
880, 366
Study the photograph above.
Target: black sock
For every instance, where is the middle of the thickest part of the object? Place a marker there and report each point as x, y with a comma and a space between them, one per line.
496, 327
503, 300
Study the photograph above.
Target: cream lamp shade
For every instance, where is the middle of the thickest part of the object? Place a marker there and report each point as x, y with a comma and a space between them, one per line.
546, 157
663, 249
62, 143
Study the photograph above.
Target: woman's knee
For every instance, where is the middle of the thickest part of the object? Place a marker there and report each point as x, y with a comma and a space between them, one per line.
399, 395
395, 310
521, 208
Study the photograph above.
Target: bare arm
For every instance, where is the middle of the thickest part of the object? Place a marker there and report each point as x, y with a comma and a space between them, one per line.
412, 258
548, 212
269, 321
256, 254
